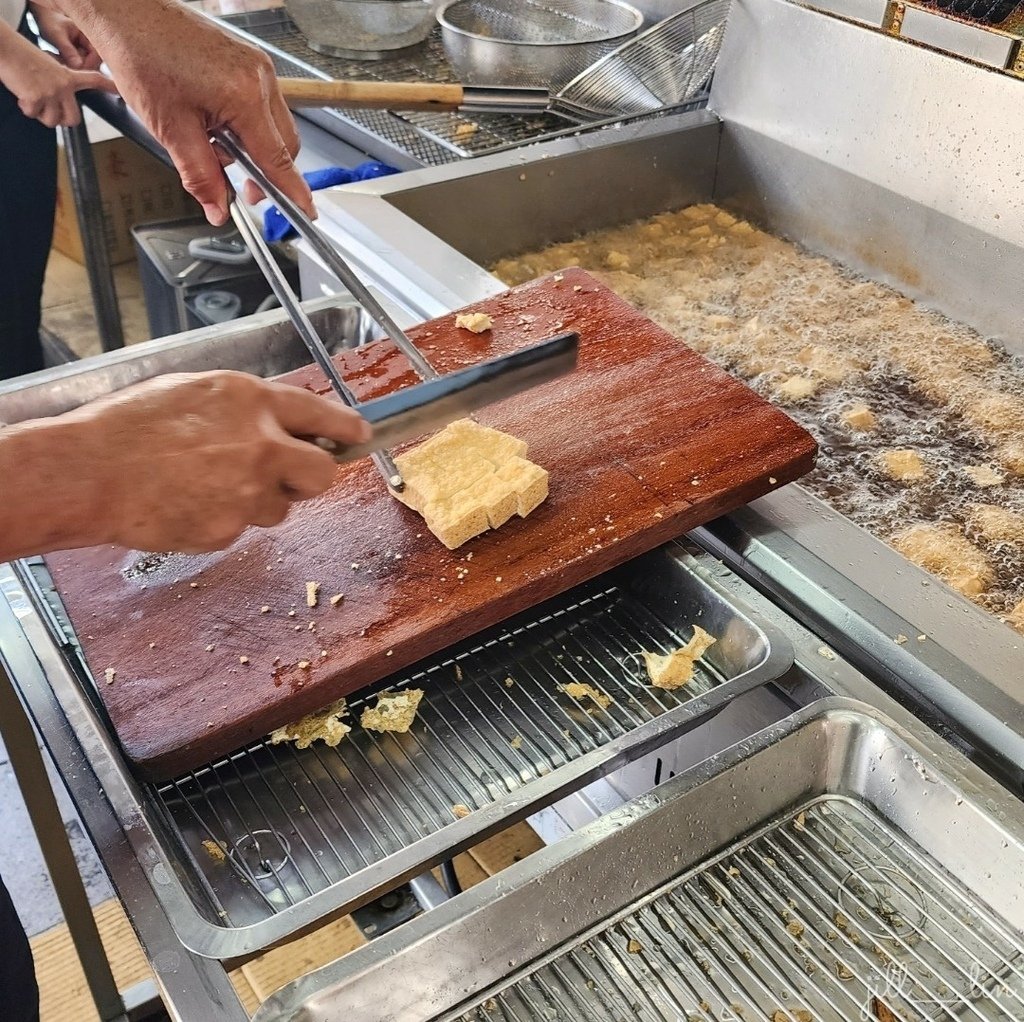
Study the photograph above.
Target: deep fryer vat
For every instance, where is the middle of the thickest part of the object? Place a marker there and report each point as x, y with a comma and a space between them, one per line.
811, 872
272, 836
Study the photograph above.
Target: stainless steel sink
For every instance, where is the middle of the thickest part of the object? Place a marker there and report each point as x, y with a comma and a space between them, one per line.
825, 866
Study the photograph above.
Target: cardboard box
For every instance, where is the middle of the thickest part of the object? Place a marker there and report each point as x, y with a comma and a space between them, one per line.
134, 188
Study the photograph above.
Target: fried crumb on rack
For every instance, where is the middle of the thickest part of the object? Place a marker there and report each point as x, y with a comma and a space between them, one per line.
673, 670
394, 712
325, 726
580, 690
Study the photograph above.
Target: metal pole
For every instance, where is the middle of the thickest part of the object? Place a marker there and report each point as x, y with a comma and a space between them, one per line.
89, 207
30, 773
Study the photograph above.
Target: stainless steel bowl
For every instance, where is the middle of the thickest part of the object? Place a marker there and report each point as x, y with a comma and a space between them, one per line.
362, 29
532, 43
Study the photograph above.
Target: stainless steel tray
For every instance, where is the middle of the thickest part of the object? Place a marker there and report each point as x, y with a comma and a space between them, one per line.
823, 864
324, 830
427, 138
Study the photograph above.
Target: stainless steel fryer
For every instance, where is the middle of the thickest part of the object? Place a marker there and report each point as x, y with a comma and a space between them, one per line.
742, 889
916, 207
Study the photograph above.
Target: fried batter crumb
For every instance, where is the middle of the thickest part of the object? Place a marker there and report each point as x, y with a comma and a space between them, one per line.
393, 713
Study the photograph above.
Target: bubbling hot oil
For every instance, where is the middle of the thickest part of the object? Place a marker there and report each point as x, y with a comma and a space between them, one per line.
772, 313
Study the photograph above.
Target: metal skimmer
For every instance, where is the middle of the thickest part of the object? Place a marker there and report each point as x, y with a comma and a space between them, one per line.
829, 915
408, 138
661, 68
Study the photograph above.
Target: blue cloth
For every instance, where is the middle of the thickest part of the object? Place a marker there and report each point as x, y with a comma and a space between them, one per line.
277, 228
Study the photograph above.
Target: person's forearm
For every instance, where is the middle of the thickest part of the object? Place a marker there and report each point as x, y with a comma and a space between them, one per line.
12, 46
45, 503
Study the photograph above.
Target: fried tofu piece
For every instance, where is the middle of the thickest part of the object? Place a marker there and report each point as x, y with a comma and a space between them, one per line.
828, 365
794, 389
859, 418
468, 479
325, 726
985, 475
1015, 619
943, 551
905, 466
394, 712
996, 524
581, 690
675, 669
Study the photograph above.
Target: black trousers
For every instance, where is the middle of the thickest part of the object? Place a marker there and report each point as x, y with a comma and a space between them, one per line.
19, 995
28, 194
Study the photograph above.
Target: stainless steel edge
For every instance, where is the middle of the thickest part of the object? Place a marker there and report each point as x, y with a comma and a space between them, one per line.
56, 699
904, 166
264, 344
973, 42
90, 767
430, 231
958, 665
465, 925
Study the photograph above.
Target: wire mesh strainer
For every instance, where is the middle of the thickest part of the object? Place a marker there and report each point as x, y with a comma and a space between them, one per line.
662, 67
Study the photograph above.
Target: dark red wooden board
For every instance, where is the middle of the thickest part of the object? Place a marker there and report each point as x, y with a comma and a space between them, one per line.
644, 441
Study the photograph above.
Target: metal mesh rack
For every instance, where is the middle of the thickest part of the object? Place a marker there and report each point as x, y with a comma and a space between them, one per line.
831, 914
493, 719
428, 138
272, 838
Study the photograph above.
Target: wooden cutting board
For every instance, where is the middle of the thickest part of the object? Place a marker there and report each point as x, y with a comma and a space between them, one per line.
644, 441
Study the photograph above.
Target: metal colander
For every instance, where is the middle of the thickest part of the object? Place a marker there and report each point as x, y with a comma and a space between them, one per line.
532, 43
661, 68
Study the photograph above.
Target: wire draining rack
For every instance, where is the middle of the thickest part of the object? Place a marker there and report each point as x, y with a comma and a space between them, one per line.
796, 924
271, 839
831, 868
425, 139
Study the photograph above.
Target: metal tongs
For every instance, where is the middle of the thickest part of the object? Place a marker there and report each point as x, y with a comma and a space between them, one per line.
412, 411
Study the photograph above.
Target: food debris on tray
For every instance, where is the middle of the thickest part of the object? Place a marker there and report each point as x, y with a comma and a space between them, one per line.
312, 594
215, 850
675, 669
394, 712
580, 690
325, 726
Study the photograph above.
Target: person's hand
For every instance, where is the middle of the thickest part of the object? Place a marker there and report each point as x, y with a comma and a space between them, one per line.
185, 78
67, 38
190, 460
44, 88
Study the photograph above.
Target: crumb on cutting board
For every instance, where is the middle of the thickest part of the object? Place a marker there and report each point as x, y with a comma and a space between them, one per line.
394, 712
673, 670
325, 726
336, 599
581, 690
109, 675
474, 322
312, 594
